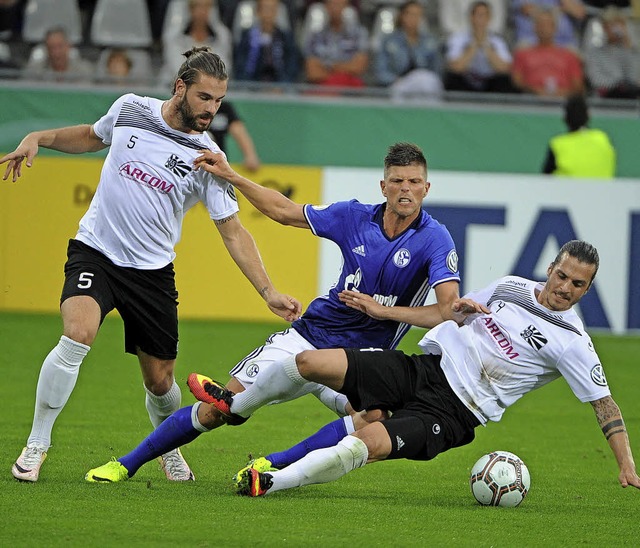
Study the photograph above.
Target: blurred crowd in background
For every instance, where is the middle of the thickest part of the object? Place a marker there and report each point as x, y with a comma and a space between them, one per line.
410, 50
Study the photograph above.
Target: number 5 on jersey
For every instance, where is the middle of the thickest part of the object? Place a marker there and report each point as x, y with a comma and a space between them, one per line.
85, 280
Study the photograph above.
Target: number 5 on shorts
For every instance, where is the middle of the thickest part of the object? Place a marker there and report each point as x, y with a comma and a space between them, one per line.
85, 280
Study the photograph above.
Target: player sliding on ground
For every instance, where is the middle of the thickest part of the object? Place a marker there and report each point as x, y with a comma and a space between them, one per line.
394, 250
468, 376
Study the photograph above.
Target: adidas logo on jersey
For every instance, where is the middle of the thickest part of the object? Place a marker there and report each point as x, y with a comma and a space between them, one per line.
400, 442
359, 250
177, 166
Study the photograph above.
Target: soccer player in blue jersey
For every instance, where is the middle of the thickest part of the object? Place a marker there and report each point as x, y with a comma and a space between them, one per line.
394, 251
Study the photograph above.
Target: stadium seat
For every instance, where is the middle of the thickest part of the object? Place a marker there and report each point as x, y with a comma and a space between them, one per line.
42, 15
245, 17
121, 23
384, 23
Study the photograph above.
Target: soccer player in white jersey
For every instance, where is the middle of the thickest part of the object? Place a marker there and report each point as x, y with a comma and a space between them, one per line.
122, 255
468, 376
394, 250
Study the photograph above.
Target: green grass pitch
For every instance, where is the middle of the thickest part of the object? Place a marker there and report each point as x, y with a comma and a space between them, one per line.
575, 498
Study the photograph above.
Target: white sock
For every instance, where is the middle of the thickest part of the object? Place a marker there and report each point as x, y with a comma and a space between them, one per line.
57, 379
160, 407
333, 400
322, 465
274, 383
348, 424
195, 422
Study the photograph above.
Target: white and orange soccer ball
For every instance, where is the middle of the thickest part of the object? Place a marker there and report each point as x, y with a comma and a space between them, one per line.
500, 478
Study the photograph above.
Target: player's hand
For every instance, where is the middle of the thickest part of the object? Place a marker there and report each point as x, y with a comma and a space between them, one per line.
215, 163
628, 476
26, 150
462, 308
285, 306
364, 303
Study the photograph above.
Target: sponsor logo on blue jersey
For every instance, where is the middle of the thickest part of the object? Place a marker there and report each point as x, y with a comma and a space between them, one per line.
452, 261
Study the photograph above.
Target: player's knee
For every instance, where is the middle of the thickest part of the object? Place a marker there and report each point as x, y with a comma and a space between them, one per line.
305, 361
159, 386
80, 333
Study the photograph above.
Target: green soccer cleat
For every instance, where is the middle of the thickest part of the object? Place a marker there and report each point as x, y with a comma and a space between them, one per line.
111, 472
252, 483
260, 464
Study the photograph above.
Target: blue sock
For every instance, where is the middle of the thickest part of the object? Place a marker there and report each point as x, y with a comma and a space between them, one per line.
174, 431
328, 436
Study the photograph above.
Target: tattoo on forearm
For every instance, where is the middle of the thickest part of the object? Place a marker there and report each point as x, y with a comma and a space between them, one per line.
606, 409
225, 220
613, 427
263, 292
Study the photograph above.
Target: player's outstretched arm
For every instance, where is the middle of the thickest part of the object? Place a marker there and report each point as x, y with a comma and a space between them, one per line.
72, 139
612, 425
243, 251
267, 200
421, 316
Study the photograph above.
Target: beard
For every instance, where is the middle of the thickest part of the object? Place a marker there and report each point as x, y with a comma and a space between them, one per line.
195, 122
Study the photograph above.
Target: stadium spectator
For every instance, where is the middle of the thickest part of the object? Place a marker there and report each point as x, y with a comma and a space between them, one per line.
394, 250
203, 30
569, 15
228, 122
454, 14
464, 378
582, 151
60, 61
478, 59
409, 59
546, 69
265, 52
338, 54
122, 254
613, 68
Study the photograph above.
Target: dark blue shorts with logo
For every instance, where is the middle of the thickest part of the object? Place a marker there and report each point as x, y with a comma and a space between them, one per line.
427, 417
147, 300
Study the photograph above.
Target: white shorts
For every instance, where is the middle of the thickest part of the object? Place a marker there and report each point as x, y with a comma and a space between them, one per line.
277, 347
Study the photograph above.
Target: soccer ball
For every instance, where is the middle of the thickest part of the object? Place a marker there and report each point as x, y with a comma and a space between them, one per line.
500, 479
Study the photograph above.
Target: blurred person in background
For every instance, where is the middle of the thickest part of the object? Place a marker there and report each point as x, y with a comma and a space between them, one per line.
203, 30
338, 54
569, 14
409, 59
478, 59
60, 63
613, 68
545, 68
265, 52
582, 151
228, 122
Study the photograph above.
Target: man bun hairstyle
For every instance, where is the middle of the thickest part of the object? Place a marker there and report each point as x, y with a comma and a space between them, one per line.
200, 60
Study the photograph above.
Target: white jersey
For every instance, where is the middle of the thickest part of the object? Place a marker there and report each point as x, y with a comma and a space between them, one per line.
494, 359
147, 184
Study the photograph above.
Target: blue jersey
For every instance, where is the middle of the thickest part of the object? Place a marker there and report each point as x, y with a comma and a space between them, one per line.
396, 271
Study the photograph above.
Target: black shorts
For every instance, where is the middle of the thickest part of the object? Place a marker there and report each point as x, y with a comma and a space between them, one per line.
427, 416
147, 300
